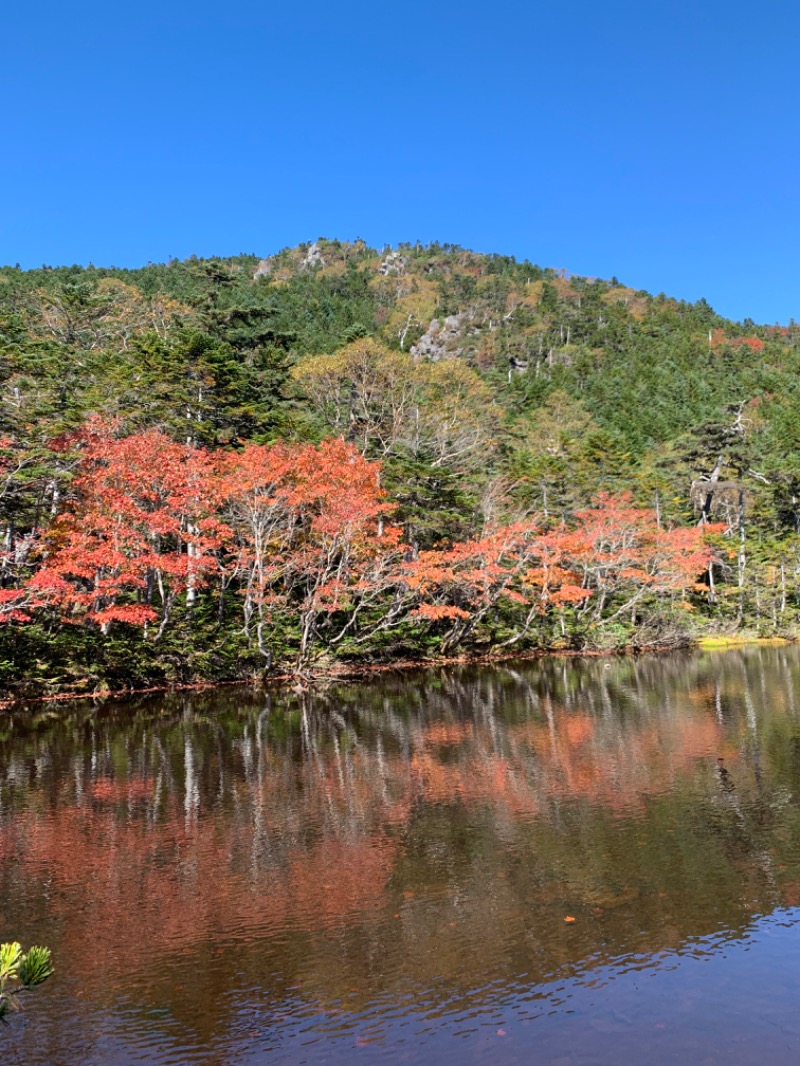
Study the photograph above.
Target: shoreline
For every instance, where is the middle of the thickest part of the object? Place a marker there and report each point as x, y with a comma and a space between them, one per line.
346, 673
712, 643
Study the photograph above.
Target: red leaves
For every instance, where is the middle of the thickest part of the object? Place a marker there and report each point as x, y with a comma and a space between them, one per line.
719, 338
134, 614
615, 549
310, 534
434, 613
516, 563
295, 509
140, 529
755, 343
625, 552
304, 529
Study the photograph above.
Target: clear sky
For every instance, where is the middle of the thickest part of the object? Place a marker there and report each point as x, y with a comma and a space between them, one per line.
655, 141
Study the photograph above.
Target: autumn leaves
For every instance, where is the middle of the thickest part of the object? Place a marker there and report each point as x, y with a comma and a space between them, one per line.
302, 538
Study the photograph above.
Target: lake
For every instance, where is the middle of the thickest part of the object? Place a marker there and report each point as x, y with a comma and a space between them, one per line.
554, 861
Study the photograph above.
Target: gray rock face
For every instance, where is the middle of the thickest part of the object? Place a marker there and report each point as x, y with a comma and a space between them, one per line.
313, 257
263, 270
442, 340
393, 263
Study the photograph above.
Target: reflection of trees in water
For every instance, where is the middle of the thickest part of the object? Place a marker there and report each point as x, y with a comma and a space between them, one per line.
614, 731
478, 806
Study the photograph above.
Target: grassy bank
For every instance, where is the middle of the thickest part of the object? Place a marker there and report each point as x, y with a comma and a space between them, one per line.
740, 640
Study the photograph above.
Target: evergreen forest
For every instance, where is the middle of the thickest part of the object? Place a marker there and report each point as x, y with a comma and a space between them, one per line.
215, 469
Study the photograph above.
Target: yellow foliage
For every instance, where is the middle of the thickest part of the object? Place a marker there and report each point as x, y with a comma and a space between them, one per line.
387, 399
629, 298
532, 294
417, 307
332, 270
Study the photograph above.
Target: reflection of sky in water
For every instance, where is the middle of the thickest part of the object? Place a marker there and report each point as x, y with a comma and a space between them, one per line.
385, 870
662, 1005
719, 998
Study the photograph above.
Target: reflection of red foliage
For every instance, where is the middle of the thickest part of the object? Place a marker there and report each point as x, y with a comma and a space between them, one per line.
578, 759
151, 887
448, 733
110, 791
296, 850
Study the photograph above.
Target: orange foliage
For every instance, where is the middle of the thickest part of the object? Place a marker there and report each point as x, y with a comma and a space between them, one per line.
142, 523
719, 338
311, 531
306, 529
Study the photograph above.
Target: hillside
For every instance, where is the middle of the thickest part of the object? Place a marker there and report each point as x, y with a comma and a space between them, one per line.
493, 394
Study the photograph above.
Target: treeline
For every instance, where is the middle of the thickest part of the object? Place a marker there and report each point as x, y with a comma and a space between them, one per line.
289, 554
489, 404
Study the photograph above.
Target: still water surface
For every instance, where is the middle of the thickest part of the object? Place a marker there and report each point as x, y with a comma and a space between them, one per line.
542, 863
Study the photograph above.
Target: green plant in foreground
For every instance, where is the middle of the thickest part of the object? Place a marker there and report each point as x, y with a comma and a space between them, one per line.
19, 972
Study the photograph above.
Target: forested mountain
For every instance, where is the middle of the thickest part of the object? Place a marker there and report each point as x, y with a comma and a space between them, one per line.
215, 467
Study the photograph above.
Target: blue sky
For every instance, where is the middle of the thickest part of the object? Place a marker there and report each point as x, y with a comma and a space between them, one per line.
652, 141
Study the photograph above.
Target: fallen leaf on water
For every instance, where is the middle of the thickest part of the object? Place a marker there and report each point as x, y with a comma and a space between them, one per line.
569, 918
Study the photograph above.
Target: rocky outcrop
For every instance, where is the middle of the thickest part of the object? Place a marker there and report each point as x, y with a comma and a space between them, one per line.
313, 257
443, 340
393, 264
